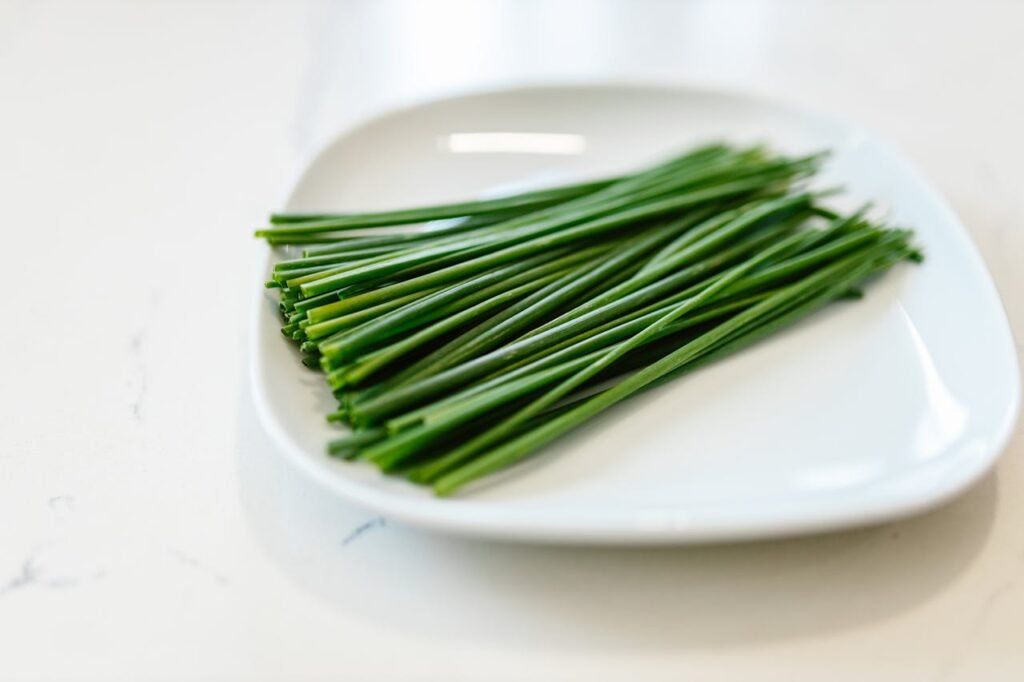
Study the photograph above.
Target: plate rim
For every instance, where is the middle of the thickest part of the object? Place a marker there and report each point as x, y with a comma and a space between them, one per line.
449, 516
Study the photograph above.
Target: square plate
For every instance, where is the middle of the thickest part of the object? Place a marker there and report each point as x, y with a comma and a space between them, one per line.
866, 411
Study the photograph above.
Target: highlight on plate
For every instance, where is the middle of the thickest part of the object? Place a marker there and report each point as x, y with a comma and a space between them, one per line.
457, 352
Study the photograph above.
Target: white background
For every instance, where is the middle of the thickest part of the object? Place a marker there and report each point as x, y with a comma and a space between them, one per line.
149, 531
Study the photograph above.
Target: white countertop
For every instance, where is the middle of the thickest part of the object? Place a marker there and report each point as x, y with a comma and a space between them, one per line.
151, 532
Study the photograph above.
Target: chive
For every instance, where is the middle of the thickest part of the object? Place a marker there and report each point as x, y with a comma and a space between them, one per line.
313, 224
460, 349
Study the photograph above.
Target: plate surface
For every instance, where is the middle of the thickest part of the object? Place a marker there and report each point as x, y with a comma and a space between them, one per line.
867, 411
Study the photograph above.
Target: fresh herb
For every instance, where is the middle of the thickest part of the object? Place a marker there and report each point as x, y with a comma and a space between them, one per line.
458, 350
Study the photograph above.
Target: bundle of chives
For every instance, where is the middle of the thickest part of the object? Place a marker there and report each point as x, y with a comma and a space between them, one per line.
459, 351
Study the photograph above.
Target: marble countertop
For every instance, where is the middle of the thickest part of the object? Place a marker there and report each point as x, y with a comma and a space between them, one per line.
151, 532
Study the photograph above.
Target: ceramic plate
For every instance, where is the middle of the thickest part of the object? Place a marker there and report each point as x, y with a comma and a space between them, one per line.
867, 411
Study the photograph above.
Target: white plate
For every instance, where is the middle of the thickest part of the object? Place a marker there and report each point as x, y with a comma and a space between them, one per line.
870, 410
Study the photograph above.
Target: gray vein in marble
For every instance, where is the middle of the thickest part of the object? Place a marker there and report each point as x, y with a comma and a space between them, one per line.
190, 561
136, 346
34, 573
28, 575
61, 503
363, 528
